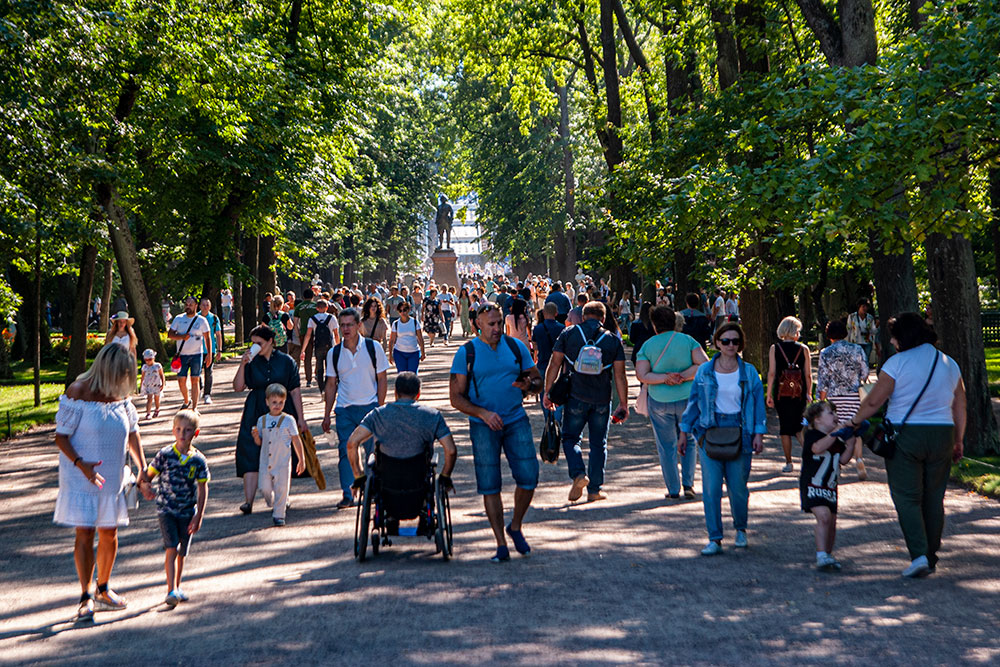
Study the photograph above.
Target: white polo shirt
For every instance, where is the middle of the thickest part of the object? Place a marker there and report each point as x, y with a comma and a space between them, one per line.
358, 380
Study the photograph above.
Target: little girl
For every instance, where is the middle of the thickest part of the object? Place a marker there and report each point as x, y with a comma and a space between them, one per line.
276, 433
152, 381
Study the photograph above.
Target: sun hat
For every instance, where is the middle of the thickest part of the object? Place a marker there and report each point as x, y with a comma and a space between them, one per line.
123, 315
148, 353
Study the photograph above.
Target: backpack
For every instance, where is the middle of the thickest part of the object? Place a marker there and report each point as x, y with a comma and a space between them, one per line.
369, 345
470, 359
590, 359
323, 337
790, 382
278, 327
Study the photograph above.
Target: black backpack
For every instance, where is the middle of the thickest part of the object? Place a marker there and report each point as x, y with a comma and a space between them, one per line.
470, 359
369, 345
323, 337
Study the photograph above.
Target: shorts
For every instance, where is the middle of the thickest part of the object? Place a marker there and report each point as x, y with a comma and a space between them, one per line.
808, 503
518, 445
192, 363
174, 530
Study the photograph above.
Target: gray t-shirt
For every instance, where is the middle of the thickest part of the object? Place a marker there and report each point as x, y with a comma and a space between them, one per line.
405, 428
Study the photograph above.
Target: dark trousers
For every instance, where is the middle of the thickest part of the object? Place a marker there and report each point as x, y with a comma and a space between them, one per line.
206, 375
320, 359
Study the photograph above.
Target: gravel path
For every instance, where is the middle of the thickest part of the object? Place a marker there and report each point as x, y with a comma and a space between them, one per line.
618, 581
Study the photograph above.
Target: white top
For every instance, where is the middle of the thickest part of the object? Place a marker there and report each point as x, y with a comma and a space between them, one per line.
226, 299
276, 442
447, 300
727, 400
406, 335
625, 307
124, 340
719, 308
192, 345
331, 324
909, 370
98, 432
358, 380
732, 308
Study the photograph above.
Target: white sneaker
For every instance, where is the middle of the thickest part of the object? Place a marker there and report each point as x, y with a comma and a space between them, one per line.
787, 468
207, 400
918, 568
713, 549
828, 564
741, 539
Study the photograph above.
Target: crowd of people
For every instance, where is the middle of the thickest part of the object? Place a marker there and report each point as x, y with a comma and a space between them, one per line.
563, 344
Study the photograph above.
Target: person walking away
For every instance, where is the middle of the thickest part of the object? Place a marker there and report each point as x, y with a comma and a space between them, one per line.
790, 363
545, 334
732, 308
406, 342
625, 311
726, 392
392, 303
596, 359
322, 333
192, 333
151, 385
641, 330
301, 314
276, 434
226, 302
181, 494
356, 382
927, 406
517, 325
213, 351
279, 322
667, 365
488, 375
464, 307
563, 303
862, 329
842, 370
718, 315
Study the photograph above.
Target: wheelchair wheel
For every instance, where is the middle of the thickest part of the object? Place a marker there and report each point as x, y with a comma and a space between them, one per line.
443, 535
362, 523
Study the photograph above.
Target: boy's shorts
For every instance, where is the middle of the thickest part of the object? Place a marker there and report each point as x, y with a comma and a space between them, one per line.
190, 363
174, 530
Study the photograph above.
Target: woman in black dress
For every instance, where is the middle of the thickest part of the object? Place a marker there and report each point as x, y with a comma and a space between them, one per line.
256, 373
642, 330
433, 319
789, 353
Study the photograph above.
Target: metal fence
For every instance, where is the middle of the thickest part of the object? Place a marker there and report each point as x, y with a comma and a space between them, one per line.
991, 327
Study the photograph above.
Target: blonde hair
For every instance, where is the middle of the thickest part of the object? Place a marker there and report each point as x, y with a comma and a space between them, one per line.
190, 416
789, 327
113, 372
275, 389
278, 300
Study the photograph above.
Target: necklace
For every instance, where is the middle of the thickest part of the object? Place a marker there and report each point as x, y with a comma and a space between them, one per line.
725, 367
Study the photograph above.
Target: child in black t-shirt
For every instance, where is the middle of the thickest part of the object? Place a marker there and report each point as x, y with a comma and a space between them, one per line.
823, 452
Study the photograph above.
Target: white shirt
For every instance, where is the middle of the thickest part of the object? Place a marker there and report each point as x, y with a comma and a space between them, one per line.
719, 308
406, 335
124, 340
447, 302
727, 399
358, 380
192, 345
909, 370
732, 308
331, 324
226, 300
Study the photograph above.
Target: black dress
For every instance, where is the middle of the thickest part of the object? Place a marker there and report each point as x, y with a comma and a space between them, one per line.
789, 409
638, 334
258, 374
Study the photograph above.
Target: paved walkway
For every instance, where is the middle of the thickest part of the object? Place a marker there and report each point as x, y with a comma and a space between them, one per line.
609, 582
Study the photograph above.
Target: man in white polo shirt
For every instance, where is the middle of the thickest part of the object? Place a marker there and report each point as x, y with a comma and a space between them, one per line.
193, 335
356, 379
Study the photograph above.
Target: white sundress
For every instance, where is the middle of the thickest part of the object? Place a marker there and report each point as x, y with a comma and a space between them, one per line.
98, 432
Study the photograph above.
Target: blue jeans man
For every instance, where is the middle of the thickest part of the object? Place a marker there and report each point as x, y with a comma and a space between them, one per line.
595, 417
349, 418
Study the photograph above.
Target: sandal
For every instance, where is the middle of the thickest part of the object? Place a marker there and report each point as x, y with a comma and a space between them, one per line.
108, 600
85, 612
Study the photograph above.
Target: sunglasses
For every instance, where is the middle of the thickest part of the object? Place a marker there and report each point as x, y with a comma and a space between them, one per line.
729, 341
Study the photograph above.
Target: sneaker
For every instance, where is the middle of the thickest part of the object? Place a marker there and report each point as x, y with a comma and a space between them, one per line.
689, 492
600, 495
85, 612
180, 595
520, 543
580, 482
787, 468
111, 601
741, 539
279, 522
502, 555
207, 400
671, 496
713, 549
186, 405
862, 471
172, 599
345, 503
246, 508
828, 564
918, 568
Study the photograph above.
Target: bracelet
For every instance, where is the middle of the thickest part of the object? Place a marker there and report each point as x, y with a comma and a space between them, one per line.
77, 460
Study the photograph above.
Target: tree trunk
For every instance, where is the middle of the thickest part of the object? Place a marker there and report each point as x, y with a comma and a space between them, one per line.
609, 51
895, 288
684, 264
104, 322
81, 313
265, 265
565, 235
995, 226
754, 309
38, 310
955, 300
252, 295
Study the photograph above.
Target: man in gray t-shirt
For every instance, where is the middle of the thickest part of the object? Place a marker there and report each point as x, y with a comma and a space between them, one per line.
403, 429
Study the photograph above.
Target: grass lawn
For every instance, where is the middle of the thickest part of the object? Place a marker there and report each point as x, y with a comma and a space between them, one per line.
17, 405
993, 369
50, 373
981, 475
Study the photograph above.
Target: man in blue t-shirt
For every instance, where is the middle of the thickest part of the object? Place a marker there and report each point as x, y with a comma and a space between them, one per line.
215, 335
545, 334
563, 304
492, 396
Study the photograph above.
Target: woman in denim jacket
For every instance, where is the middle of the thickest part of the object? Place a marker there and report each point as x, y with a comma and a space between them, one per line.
726, 391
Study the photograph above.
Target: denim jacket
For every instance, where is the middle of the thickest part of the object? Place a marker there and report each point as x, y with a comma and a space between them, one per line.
699, 415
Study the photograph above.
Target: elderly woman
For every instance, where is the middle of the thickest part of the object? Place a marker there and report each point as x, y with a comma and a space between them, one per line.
843, 368
667, 363
788, 354
257, 371
121, 332
726, 392
927, 407
96, 427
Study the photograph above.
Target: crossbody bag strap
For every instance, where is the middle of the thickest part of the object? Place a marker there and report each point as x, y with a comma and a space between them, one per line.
909, 412
663, 352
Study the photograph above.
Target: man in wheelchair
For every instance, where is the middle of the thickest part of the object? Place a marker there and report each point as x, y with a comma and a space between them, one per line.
405, 433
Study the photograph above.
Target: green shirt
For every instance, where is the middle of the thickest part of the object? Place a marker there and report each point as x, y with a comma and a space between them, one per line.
676, 359
304, 310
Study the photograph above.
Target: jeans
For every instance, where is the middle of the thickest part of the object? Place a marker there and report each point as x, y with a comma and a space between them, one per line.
867, 347
596, 417
517, 443
735, 473
448, 317
406, 361
666, 418
226, 312
348, 419
206, 387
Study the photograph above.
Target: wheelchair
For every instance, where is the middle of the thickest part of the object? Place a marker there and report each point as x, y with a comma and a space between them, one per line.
402, 490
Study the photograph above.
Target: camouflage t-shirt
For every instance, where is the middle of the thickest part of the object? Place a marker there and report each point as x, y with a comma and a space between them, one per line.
179, 475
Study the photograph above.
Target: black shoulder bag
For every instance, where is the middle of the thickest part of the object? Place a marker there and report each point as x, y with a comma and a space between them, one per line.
882, 440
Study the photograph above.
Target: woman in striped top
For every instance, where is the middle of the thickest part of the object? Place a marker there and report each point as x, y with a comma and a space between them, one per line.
843, 368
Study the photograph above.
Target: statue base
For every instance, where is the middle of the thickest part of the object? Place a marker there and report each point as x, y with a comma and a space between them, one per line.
445, 271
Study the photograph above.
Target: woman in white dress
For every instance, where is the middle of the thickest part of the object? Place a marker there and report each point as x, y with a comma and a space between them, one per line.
121, 332
96, 425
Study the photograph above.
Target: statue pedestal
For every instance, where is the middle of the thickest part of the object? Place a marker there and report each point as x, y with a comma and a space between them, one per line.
445, 270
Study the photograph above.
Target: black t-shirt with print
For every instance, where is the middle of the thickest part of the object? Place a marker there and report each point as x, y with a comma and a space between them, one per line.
820, 472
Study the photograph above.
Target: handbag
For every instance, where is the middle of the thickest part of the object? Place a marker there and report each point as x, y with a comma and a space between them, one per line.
882, 438
642, 402
551, 441
723, 443
130, 488
175, 363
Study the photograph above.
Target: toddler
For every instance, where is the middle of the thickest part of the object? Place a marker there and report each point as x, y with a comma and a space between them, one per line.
276, 433
180, 497
152, 381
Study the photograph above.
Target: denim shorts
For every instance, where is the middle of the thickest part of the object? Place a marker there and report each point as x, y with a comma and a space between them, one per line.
190, 362
517, 443
174, 530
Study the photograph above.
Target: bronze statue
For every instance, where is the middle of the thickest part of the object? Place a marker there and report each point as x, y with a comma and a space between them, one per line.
445, 216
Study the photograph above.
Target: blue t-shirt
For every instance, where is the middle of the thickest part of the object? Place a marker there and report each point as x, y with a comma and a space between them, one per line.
213, 326
494, 373
561, 300
544, 336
